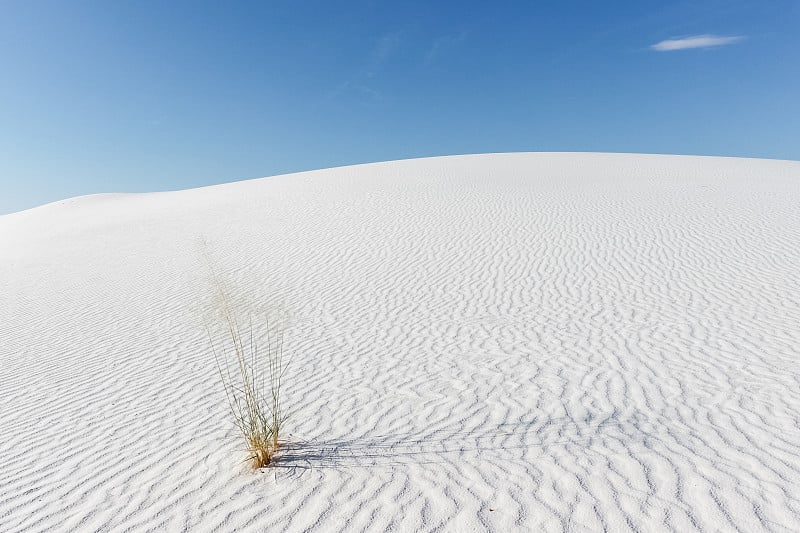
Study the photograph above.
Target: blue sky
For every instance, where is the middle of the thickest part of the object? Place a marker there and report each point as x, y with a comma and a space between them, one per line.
152, 95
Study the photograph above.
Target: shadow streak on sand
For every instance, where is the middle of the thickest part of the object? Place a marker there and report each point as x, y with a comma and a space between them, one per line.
592, 433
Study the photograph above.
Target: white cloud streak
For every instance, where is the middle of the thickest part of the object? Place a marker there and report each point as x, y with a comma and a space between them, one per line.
695, 41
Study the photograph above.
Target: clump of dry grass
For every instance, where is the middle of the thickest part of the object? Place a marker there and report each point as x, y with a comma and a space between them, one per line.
253, 388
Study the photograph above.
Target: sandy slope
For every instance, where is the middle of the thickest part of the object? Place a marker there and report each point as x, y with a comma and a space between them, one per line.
510, 342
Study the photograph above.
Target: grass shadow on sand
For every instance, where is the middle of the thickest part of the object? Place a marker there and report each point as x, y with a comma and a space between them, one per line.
598, 434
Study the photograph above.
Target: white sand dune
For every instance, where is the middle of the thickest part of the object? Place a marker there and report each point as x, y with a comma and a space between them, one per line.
507, 342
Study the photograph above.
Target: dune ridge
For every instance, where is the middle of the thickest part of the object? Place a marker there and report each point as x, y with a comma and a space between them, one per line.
504, 342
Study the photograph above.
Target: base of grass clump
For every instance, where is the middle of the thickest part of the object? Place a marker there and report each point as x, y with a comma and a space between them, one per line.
262, 453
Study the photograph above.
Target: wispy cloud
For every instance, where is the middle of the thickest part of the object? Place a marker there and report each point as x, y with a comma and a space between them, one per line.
442, 45
695, 41
362, 82
386, 46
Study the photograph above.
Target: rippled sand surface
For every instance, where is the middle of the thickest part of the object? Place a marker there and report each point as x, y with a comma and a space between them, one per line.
505, 342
